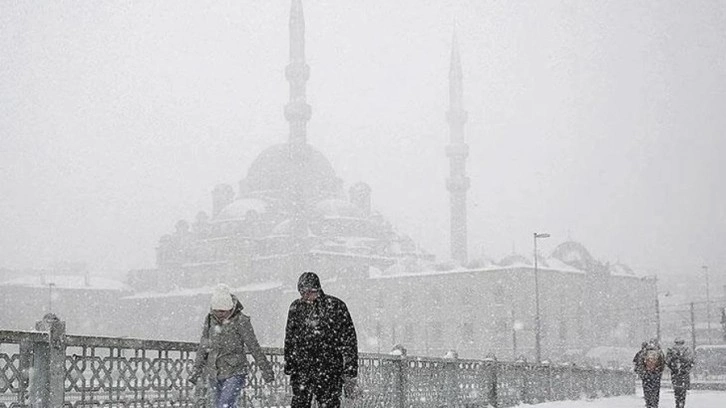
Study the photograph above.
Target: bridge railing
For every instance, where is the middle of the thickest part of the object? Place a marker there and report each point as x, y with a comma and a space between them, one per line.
47, 368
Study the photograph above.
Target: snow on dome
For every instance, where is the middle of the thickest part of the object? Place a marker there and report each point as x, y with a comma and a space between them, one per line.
556, 264
239, 209
574, 254
283, 228
621, 269
280, 168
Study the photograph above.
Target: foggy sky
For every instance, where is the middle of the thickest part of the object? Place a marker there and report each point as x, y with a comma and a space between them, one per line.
597, 121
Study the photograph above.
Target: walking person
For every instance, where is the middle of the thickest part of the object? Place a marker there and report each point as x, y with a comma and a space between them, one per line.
221, 357
321, 348
679, 360
649, 364
638, 360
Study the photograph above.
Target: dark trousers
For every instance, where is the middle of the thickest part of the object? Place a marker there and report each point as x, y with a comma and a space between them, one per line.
681, 384
651, 389
326, 389
680, 393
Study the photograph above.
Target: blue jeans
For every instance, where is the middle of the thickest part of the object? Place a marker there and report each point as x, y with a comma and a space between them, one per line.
225, 393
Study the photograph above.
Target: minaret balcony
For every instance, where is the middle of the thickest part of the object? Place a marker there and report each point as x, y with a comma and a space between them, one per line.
297, 72
298, 111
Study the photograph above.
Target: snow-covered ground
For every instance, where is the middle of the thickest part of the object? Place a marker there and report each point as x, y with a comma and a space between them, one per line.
695, 399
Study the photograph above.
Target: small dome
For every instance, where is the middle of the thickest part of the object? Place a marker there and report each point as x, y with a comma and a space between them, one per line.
239, 209
621, 269
337, 208
574, 254
282, 168
283, 228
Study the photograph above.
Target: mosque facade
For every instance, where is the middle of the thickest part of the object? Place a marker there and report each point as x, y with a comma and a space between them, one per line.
291, 213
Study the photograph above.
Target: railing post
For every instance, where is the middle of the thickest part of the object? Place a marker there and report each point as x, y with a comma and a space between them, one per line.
547, 368
491, 367
49, 364
451, 387
26, 352
400, 381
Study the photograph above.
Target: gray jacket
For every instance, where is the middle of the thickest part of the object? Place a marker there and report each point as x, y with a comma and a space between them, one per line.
221, 352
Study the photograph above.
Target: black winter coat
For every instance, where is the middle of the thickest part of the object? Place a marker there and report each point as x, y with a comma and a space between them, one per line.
320, 339
679, 360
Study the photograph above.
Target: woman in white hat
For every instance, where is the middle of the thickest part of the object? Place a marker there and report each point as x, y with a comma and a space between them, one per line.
221, 353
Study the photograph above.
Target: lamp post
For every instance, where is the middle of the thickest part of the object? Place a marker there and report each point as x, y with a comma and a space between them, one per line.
708, 306
657, 309
654, 279
50, 297
537, 319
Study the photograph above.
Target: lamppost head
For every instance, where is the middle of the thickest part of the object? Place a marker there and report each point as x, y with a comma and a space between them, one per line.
542, 235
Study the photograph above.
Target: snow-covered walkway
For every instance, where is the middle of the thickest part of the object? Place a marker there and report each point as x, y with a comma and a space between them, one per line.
695, 399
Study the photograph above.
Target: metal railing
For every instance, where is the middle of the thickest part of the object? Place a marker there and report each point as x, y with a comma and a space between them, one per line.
51, 369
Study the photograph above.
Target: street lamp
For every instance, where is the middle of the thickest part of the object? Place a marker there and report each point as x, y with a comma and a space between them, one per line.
537, 322
708, 306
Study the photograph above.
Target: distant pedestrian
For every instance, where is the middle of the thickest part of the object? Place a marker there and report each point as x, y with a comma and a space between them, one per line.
638, 360
649, 364
221, 357
679, 360
321, 348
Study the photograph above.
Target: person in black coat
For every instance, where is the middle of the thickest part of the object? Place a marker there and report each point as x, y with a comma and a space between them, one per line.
321, 347
679, 360
649, 364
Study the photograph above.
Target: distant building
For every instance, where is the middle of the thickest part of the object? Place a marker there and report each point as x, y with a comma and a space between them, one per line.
491, 308
88, 304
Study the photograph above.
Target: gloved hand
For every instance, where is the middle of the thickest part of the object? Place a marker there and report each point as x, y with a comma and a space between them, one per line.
350, 387
193, 378
268, 375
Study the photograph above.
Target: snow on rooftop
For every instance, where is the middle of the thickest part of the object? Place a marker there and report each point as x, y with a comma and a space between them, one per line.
399, 270
554, 264
68, 282
206, 290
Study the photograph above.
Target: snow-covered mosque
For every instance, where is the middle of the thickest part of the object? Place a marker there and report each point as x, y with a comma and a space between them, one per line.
291, 213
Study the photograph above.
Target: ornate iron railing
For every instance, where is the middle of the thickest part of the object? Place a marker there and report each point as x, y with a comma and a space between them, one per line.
51, 369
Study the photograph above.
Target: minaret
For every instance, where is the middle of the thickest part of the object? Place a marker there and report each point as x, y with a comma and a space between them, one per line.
297, 72
457, 151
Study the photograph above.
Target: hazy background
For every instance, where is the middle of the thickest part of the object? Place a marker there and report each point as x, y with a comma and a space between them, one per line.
600, 121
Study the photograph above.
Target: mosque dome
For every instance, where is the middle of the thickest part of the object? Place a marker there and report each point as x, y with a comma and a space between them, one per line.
280, 168
240, 209
574, 254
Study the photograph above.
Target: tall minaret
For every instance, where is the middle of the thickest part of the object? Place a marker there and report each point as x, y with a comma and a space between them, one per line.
457, 151
297, 72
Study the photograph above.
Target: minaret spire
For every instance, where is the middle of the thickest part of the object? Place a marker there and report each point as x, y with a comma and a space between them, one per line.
297, 72
457, 151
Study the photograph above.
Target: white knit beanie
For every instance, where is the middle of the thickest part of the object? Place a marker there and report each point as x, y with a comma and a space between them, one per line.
222, 298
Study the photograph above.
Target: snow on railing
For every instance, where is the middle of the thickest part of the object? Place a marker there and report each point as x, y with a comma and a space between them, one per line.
53, 369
